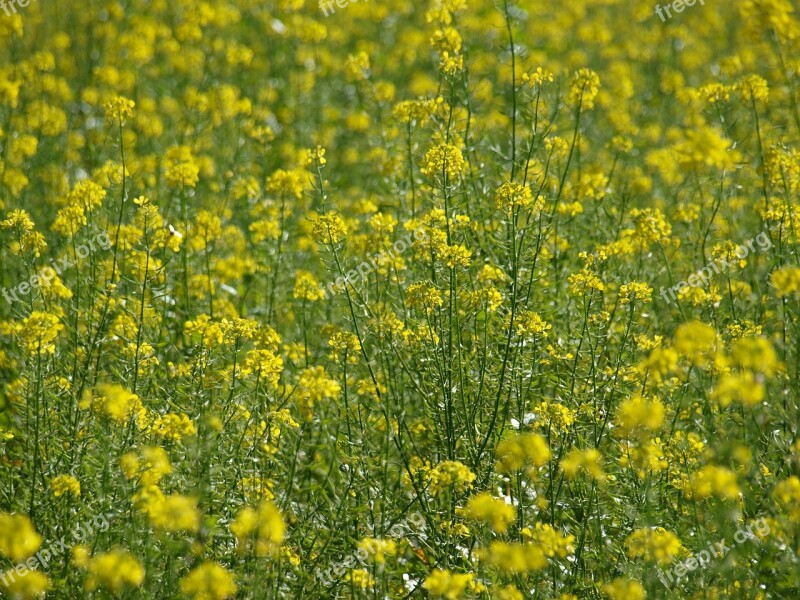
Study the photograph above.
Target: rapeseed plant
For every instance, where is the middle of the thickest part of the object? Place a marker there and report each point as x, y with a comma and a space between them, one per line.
399, 259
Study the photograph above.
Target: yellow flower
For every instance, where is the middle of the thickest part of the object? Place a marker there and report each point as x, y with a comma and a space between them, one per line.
206, 228
639, 415
492, 511
445, 584
81, 556
650, 227
18, 220
209, 581
635, 290
589, 460
786, 281
378, 549
508, 592
175, 513
754, 89
264, 526
18, 538
787, 493
554, 416
183, 175
29, 585
423, 296
444, 160
116, 402
549, 540
265, 364
714, 481
583, 282
696, 341
530, 324
450, 474
357, 67
739, 387
118, 108
286, 183
314, 386
316, 156
330, 229
149, 500
521, 451
660, 362
624, 589
65, 484
538, 78
514, 558
512, 195
646, 455
174, 427
756, 354
306, 287
114, 571
418, 111
446, 38
491, 274
655, 544
38, 332
359, 579
456, 256
150, 469
584, 89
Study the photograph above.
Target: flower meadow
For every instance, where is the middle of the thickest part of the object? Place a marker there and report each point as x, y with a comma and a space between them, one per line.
359, 300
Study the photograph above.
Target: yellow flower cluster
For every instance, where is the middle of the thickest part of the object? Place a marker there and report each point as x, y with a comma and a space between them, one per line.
377, 279
377, 549
115, 402
209, 581
714, 481
442, 583
489, 510
115, 571
330, 229
522, 451
65, 484
450, 475
18, 538
261, 529
444, 161
639, 415
589, 461
653, 544
554, 417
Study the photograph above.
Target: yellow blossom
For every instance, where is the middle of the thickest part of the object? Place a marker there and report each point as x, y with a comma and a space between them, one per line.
263, 526
18, 538
656, 544
492, 511
209, 581
114, 571
522, 451
65, 484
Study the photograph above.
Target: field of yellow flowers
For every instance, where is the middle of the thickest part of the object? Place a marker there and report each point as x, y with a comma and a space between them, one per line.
448, 299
